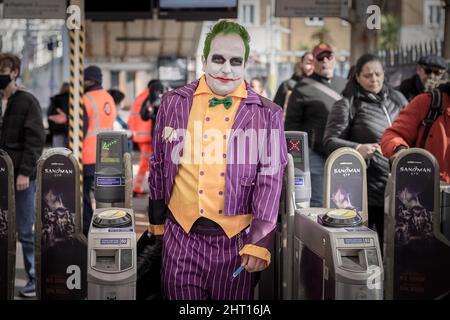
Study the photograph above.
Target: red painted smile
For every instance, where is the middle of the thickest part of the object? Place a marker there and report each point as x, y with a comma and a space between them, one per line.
224, 80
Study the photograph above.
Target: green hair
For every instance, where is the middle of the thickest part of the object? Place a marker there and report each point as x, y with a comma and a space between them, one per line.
227, 27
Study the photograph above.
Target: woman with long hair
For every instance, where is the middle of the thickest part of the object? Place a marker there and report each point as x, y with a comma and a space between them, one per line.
358, 121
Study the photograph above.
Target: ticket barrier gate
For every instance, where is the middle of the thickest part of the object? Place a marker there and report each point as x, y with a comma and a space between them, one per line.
112, 237
416, 252
112, 255
335, 255
276, 280
59, 275
7, 228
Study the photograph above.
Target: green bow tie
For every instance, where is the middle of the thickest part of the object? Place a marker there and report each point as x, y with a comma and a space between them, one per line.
227, 102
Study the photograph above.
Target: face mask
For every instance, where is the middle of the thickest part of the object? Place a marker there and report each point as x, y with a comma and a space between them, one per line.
5, 79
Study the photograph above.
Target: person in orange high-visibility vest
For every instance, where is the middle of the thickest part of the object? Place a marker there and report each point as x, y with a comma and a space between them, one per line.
142, 130
99, 115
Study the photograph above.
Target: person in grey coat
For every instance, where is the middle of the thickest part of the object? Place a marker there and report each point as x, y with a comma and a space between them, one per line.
358, 121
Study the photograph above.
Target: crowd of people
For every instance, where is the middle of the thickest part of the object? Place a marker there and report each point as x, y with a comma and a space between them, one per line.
228, 210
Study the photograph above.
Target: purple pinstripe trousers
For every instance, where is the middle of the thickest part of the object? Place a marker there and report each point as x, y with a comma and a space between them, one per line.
199, 266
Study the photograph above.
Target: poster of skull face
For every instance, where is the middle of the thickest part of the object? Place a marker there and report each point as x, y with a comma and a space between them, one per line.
414, 200
59, 222
414, 221
58, 207
61, 247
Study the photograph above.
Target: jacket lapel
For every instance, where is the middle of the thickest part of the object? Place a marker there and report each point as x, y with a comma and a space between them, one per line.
184, 103
247, 110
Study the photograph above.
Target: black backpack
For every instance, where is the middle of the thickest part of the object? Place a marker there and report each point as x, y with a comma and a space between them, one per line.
433, 114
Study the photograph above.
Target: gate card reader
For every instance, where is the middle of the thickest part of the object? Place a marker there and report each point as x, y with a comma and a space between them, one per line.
339, 218
112, 255
297, 144
335, 263
110, 168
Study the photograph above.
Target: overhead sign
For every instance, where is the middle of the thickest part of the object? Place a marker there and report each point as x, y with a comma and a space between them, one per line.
310, 8
34, 9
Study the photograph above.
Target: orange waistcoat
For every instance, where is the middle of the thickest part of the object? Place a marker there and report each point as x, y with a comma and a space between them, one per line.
101, 112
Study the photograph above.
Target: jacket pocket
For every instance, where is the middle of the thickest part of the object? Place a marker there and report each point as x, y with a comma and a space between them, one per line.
245, 194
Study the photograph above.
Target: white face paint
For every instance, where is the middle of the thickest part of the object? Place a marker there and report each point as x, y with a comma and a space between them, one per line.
225, 65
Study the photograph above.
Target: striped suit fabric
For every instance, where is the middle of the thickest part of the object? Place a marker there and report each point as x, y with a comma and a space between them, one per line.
199, 266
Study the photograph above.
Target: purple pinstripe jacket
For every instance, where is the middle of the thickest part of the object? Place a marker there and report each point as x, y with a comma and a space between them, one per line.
256, 159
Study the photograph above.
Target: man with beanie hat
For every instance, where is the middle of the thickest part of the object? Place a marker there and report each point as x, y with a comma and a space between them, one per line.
99, 115
92, 74
430, 71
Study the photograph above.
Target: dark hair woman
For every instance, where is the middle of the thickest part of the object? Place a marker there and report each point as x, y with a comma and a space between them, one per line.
358, 121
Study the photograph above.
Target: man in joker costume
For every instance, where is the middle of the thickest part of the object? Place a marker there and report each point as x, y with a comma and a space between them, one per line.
216, 176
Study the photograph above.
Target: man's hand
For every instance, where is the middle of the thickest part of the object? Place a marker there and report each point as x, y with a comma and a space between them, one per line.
253, 264
399, 148
22, 182
397, 151
60, 118
368, 149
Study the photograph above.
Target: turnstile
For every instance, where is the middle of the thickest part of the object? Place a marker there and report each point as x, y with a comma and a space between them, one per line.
112, 237
416, 253
335, 263
112, 255
335, 256
113, 171
276, 280
61, 247
7, 228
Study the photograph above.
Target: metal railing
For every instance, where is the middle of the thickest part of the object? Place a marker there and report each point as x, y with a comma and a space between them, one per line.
409, 54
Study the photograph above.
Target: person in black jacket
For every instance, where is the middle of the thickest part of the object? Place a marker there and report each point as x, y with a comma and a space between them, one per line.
22, 136
303, 68
150, 106
430, 70
358, 121
307, 111
59, 104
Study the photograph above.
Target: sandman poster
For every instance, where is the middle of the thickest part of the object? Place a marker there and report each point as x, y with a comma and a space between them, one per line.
421, 262
63, 255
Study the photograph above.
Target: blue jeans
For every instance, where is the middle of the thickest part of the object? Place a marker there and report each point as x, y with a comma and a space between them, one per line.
24, 224
316, 164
